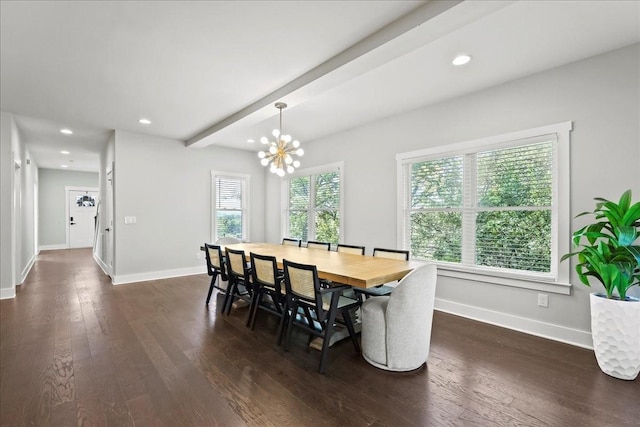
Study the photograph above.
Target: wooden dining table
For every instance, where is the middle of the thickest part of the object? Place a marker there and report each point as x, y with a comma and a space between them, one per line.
360, 271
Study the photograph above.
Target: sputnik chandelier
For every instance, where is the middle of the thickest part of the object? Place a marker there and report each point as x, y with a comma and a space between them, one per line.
281, 151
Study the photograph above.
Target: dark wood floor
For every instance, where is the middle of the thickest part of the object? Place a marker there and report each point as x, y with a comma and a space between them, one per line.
77, 350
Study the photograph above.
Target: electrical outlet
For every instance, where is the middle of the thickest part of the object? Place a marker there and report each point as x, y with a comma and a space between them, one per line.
543, 300
199, 255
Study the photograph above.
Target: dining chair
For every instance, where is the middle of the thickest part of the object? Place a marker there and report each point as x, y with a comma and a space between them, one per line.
267, 281
240, 286
315, 309
318, 245
383, 289
350, 249
292, 242
396, 329
215, 267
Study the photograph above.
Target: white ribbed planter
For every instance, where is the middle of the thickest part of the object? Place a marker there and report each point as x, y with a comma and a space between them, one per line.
615, 328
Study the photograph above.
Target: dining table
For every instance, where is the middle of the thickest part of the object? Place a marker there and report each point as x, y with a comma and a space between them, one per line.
358, 271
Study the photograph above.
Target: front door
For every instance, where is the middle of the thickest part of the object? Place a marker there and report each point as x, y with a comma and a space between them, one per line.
82, 213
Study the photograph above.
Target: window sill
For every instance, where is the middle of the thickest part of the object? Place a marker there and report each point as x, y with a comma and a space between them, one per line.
516, 282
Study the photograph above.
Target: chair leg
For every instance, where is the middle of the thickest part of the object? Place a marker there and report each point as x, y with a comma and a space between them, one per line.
228, 297
283, 322
287, 339
256, 299
326, 340
352, 333
211, 286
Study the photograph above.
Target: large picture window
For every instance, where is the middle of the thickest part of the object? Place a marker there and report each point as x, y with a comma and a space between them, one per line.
230, 208
313, 204
496, 206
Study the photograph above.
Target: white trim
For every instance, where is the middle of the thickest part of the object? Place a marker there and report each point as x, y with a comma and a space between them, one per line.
460, 147
27, 269
67, 189
7, 293
101, 264
246, 208
524, 282
157, 275
52, 247
550, 331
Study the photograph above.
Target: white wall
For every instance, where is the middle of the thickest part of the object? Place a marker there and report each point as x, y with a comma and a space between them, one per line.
52, 203
19, 175
167, 187
7, 286
600, 95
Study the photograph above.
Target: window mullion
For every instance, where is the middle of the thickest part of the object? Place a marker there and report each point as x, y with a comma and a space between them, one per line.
470, 180
311, 235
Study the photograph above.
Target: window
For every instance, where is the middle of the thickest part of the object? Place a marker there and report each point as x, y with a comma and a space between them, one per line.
230, 213
313, 204
492, 207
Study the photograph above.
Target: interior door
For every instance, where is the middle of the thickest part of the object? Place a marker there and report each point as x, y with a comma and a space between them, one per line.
82, 212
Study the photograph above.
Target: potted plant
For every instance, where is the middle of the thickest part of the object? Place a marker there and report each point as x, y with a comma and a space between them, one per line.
608, 251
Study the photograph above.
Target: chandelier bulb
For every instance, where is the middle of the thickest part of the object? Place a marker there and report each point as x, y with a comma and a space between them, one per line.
264, 140
296, 144
288, 159
286, 138
275, 133
280, 172
290, 169
300, 152
273, 149
296, 164
264, 162
262, 154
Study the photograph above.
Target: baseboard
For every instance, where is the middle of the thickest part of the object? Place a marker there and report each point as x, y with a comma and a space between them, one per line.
101, 264
27, 269
7, 293
156, 275
521, 324
52, 247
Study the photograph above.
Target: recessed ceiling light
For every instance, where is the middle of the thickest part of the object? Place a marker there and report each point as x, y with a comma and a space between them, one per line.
66, 131
64, 152
461, 59
250, 141
64, 166
144, 121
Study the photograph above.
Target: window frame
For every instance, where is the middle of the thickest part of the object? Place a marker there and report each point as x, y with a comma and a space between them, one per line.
558, 280
245, 179
313, 171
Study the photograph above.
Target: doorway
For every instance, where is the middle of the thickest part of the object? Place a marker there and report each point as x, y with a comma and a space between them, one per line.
81, 216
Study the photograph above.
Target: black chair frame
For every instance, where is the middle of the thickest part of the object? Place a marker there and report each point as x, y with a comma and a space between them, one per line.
361, 248
314, 242
213, 270
262, 288
310, 315
240, 286
298, 242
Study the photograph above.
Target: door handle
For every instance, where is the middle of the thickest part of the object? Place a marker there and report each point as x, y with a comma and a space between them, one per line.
107, 229
73, 223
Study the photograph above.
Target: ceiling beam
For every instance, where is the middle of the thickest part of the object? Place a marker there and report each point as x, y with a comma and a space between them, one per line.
423, 14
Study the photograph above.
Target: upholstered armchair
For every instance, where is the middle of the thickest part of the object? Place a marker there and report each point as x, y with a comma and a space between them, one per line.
396, 329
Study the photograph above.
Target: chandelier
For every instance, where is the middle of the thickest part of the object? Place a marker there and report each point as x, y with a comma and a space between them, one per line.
281, 151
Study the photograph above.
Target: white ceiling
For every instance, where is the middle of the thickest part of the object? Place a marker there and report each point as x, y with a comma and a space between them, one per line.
209, 72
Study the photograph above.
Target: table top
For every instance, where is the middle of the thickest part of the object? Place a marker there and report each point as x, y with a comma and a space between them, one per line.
360, 271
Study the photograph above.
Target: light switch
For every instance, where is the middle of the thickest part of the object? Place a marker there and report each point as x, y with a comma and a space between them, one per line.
129, 219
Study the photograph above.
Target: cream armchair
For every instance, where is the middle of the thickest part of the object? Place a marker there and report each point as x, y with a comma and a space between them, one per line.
396, 329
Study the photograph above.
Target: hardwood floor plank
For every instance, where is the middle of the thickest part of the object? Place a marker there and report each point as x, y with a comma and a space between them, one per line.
75, 349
